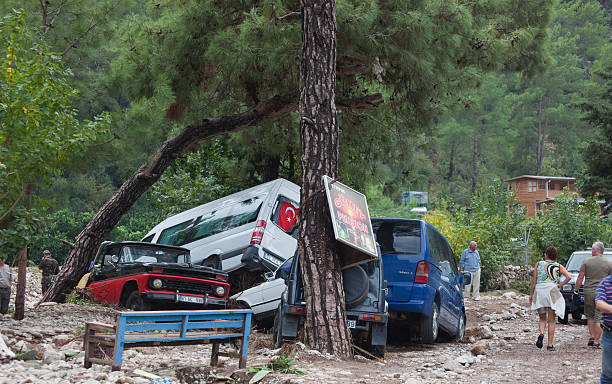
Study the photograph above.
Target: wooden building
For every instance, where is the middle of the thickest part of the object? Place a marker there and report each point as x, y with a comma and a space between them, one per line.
535, 192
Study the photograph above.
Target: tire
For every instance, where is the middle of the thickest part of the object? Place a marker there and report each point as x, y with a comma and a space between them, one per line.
565, 319
577, 315
356, 285
430, 327
277, 329
136, 302
461, 328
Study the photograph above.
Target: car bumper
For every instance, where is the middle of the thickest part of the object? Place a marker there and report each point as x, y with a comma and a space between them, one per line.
422, 298
173, 298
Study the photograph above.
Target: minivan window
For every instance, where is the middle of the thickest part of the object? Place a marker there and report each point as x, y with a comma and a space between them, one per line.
575, 261
398, 237
223, 219
285, 214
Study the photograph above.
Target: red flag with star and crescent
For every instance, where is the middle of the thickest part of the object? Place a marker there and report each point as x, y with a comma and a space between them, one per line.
288, 216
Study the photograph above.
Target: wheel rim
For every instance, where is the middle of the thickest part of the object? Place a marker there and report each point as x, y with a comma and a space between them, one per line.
461, 327
434, 322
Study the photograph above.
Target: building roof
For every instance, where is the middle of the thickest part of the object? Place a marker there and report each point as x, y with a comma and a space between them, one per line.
541, 178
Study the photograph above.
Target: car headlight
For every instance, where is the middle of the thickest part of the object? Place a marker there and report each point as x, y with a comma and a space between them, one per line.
220, 291
567, 288
157, 283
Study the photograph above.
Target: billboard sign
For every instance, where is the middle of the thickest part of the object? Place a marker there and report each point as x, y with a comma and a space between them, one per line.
350, 216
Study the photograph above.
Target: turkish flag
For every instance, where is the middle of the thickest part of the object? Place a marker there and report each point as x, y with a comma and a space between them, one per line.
288, 216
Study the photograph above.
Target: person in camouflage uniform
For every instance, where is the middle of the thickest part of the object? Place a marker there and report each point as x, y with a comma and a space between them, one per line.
49, 267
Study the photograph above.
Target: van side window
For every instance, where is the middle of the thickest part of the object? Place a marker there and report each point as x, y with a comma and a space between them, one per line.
398, 237
223, 219
441, 252
285, 213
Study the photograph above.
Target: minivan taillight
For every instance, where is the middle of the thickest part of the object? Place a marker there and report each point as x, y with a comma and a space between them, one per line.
258, 232
422, 273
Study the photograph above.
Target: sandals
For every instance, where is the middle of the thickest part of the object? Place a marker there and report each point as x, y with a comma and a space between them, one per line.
551, 348
540, 343
597, 345
591, 342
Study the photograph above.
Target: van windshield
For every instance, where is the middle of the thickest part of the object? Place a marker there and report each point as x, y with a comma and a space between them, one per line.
222, 219
398, 236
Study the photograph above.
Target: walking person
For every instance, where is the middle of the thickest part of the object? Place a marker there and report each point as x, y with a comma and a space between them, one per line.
5, 286
603, 303
470, 262
592, 270
49, 268
545, 295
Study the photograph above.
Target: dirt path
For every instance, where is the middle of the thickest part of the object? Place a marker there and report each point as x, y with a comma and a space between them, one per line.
501, 322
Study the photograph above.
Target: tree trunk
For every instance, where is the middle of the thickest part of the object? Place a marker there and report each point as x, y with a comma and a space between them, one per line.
88, 241
326, 326
23, 263
475, 164
540, 145
451, 162
271, 168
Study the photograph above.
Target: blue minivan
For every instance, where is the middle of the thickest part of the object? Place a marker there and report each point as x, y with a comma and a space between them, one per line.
424, 283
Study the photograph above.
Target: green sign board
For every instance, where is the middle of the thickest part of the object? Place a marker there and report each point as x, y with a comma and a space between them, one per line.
350, 217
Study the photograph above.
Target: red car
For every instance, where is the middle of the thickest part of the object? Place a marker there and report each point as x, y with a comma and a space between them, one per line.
143, 276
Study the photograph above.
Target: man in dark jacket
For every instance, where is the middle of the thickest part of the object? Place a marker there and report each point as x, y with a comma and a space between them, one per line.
49, 268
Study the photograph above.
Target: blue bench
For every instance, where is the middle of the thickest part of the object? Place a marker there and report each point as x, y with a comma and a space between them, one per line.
104, 343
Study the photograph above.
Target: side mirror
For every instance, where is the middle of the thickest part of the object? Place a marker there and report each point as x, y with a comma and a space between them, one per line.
110, 259
269, 276
466, 278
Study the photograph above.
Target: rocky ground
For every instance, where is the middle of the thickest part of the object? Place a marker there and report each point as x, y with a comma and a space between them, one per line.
498, 348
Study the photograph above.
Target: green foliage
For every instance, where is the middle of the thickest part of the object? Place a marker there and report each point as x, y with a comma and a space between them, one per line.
570, 226
493, 222
597, 180
521, 285
39, 129
80, 297
280, 364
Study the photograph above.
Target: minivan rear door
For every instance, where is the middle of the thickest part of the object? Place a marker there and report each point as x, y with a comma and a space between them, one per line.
279, 239
400, 246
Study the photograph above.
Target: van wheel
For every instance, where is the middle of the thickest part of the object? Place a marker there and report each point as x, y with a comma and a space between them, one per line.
277, 329
577, 315
430, 325
356, 285
136, 302
461, 328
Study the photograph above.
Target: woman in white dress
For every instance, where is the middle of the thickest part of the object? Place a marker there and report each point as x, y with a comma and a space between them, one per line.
545, 295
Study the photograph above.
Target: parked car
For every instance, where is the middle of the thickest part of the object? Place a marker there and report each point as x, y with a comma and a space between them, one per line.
142, 276
264, 298
424, 283
366, 308
250, 228
574, 304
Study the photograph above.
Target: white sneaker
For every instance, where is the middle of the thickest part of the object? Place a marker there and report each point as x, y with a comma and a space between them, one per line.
477, 298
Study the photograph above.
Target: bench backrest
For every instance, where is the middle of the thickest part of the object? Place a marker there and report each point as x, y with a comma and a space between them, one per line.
168, 326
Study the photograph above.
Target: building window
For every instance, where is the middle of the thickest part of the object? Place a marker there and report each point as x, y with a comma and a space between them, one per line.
541, 185
533, 186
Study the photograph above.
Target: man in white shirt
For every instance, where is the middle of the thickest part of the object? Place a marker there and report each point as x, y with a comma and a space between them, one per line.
5, 286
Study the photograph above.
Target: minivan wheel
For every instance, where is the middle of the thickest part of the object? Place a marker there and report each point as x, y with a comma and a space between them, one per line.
430, 326
577, 315
461, 329
277, 329
356, 285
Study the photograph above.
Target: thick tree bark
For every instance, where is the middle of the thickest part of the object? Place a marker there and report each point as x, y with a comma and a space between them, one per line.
326, 326
88, 241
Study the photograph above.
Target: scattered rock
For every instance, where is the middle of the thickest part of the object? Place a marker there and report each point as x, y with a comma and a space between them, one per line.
453, 366
479, 348
485, 332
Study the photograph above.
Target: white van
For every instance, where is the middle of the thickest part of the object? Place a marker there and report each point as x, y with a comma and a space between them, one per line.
252, 228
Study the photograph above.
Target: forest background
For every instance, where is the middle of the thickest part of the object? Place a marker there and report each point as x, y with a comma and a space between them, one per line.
121, 63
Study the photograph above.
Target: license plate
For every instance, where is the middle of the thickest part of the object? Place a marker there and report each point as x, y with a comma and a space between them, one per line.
191, 299
352, 323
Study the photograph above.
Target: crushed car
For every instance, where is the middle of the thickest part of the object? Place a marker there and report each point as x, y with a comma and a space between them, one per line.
144, 276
